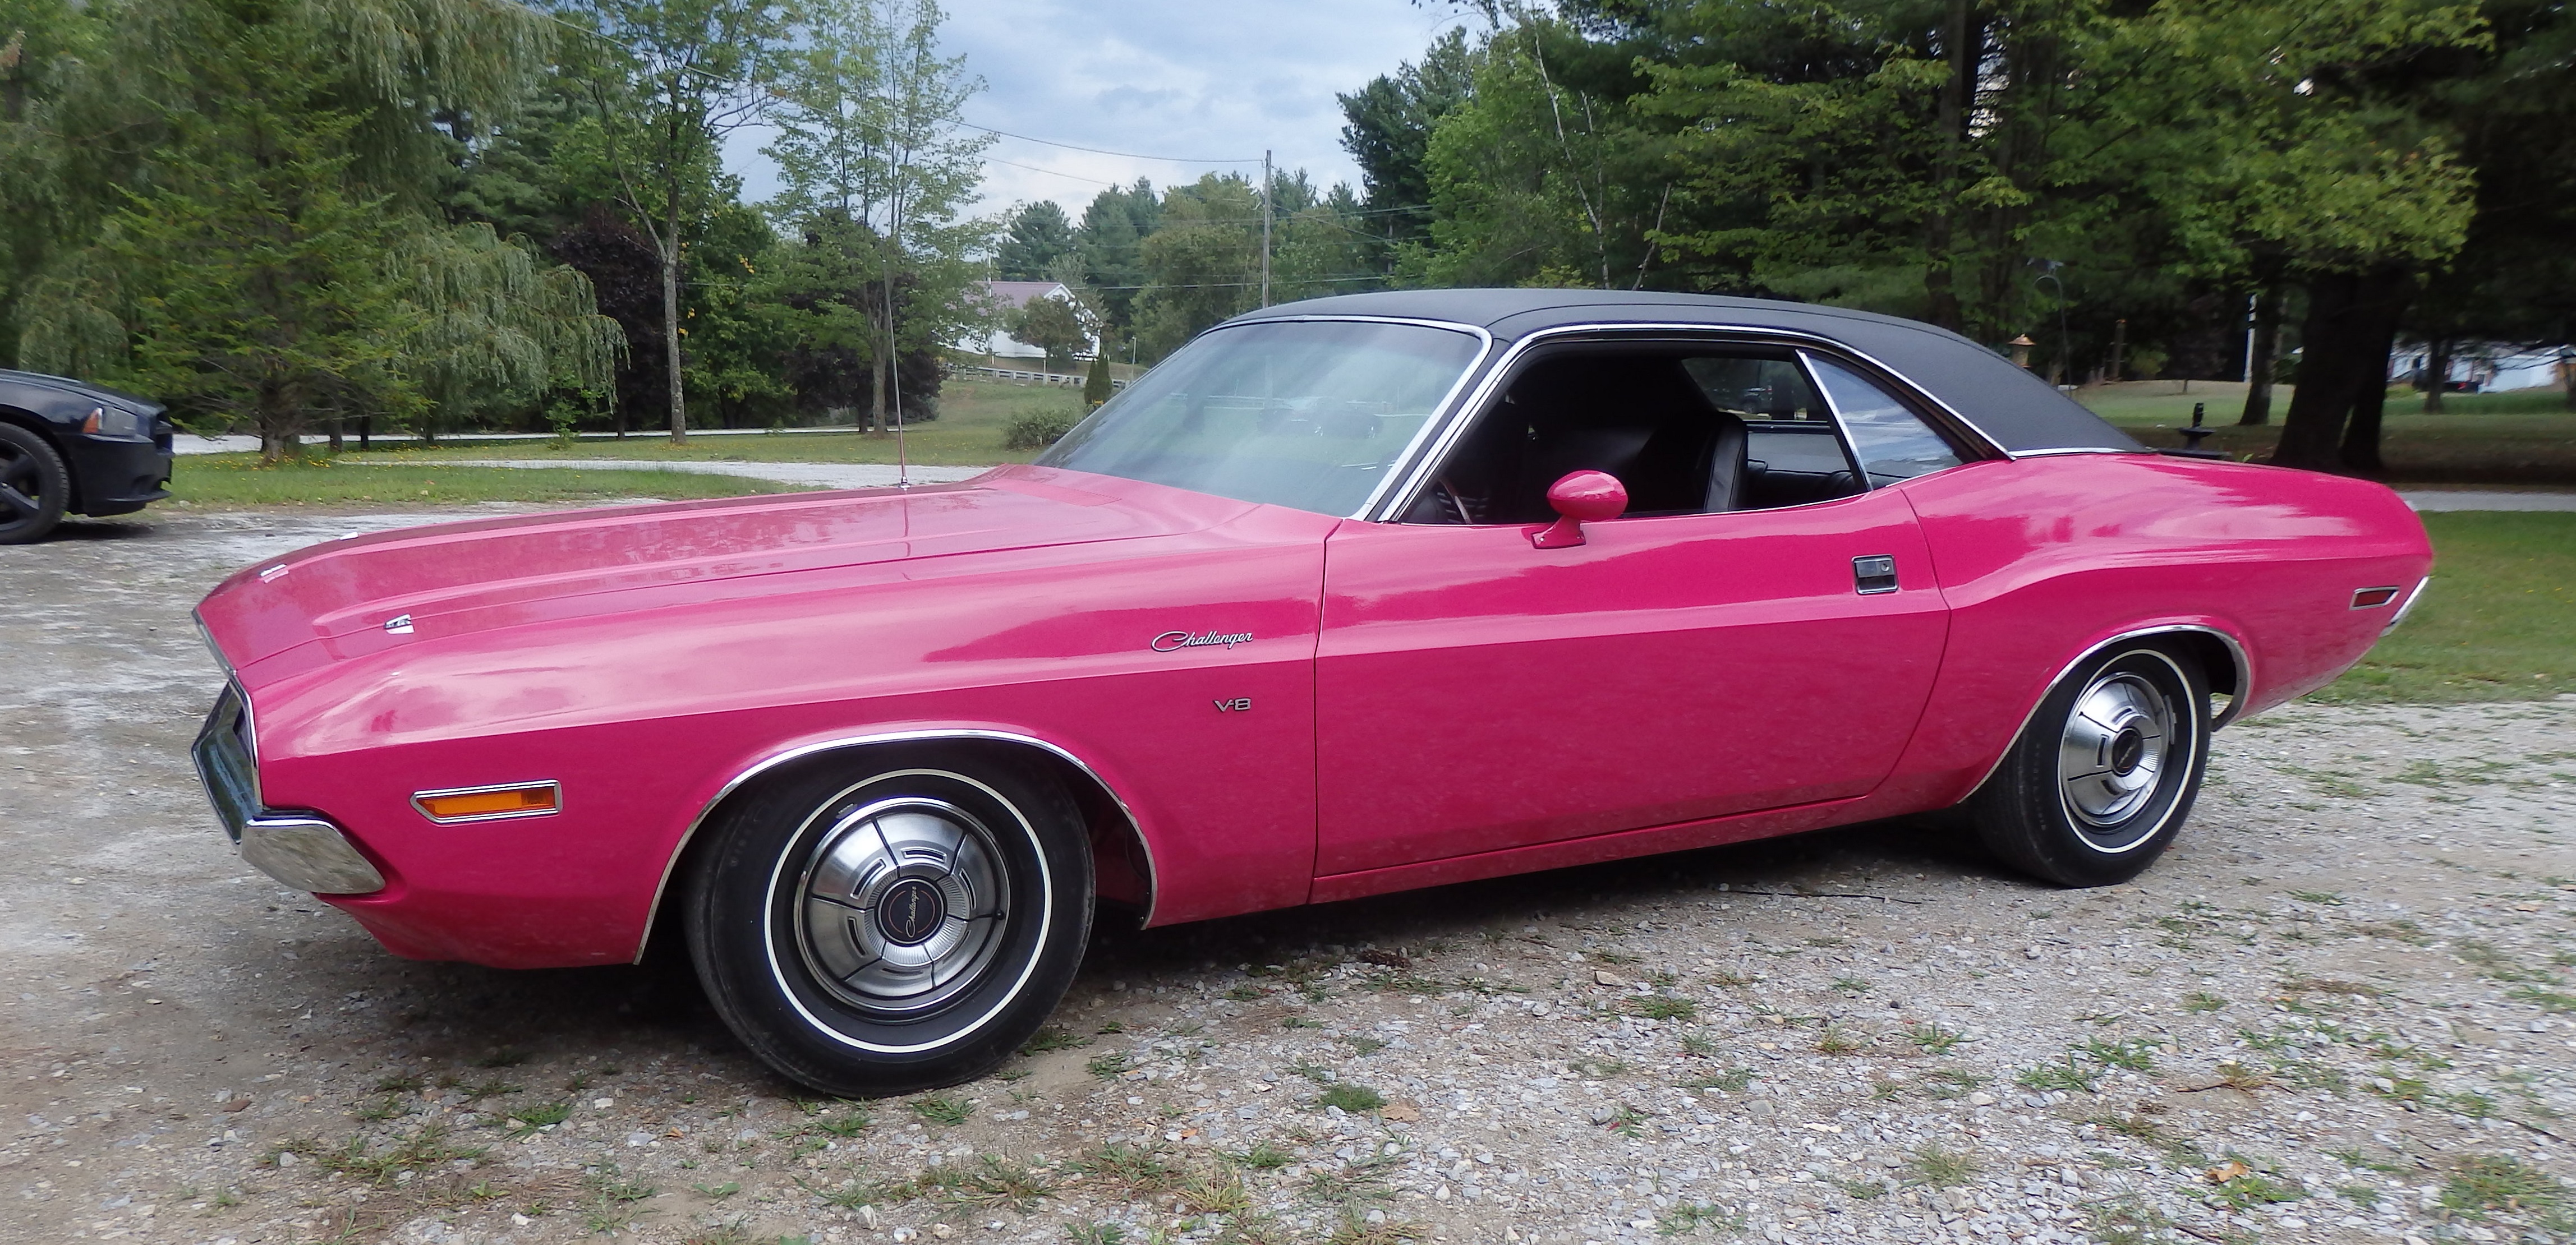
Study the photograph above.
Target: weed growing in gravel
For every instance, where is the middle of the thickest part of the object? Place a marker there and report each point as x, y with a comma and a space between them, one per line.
1262, 1157
1934, 1039
989, 1181
1837, 1040
1355, 1099
849, 1123
2129, 1220
2361, 1195
381, 1109
2202, 1001
400, 1084
2491, 1182
1863, 1190
428, 1147
529, 1119
1593, 1068
2550, 1000
1700, 1045
1730, 979
612, 1198
1103, 1233
2246, 1189
1357, 1182
1052, 1038
941, 1109
1363, 1044
2068, 1075
1313, 1071
1300, 1022
2327, 898
1940, 1168
1215, 1191
1851, 985
1687, 1218
1663, 1007
1627, 1121
1733, 1080
2133, 1054
1108, 1066
1357, 1230
718, 1192
492, 1088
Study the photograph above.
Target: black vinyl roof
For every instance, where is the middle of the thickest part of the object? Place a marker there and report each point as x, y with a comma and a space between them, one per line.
2018, 411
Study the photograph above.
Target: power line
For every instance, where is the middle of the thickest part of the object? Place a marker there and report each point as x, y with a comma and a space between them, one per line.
1103, 151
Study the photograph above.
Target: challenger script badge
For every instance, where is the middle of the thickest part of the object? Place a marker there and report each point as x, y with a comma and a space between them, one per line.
1175, 641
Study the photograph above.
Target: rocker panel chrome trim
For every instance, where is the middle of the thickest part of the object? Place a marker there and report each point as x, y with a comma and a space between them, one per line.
1153, 890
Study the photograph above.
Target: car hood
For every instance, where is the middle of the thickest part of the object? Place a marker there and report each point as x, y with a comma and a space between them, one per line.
361, 594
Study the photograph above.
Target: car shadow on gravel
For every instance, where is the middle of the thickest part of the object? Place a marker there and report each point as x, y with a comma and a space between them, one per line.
466, 1015
1879, 861
94, 530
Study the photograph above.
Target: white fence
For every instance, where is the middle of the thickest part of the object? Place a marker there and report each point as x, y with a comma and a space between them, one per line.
1031, 378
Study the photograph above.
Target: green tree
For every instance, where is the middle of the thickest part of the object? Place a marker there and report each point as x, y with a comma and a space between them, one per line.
870, 134
679, 76
1097, 384
1037, 235
1051, 325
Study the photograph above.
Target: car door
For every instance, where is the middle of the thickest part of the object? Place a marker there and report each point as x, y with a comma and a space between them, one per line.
1476, 693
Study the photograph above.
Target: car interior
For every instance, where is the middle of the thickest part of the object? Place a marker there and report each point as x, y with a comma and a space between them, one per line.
1688, 430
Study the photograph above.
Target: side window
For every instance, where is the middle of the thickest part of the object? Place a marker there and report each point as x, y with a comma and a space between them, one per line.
1689, 429
1892, 442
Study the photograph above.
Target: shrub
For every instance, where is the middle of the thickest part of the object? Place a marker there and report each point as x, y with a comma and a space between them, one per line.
1038, 430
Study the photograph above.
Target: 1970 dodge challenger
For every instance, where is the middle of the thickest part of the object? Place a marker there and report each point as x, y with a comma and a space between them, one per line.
1348, 596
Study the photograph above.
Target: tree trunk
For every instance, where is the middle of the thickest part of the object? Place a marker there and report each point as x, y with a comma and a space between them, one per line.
2361, 439
2352, 318
2264, 355
2437, 370
671, 332
1941, 296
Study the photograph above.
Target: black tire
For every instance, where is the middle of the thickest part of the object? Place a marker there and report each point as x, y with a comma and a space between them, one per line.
33, 486
771, 949
2104, 775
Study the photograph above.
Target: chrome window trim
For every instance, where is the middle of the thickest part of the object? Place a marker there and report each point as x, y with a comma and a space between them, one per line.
1453, 425
1439, 410
549, 783
2057, 451
2235, 703
1153, 890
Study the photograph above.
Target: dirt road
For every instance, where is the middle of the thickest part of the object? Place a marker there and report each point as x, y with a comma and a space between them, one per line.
2339, 1011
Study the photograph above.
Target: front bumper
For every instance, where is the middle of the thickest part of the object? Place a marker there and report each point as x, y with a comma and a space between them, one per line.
119, 477
302, 850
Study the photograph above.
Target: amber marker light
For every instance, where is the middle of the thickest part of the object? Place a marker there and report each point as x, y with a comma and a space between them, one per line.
522, 799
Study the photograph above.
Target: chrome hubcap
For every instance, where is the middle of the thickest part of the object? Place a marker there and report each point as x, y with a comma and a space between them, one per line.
901, 905
2113, 751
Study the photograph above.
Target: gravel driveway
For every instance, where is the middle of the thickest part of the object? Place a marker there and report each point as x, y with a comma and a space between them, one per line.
2339, 1011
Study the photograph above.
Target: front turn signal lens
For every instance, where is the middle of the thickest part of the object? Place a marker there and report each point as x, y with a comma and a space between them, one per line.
526, 799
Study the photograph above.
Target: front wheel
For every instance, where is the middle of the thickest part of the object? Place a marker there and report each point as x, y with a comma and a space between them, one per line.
897, 926
2105, 773
33, 486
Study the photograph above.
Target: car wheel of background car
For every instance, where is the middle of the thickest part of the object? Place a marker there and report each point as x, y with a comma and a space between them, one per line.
2105, 773
33, 486
895, 925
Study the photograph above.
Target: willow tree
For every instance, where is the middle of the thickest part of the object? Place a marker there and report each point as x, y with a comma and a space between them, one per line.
257, 245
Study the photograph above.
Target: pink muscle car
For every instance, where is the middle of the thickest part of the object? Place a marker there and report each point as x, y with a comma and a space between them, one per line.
1348, 596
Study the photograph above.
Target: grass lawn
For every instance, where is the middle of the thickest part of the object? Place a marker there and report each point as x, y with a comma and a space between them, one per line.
226, 481
2526, 437
968, 433
2499, 622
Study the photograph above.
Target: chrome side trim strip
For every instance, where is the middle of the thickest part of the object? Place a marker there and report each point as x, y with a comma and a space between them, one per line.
1389, 503
2408, 606
550, 784
2235, 703
1153, 890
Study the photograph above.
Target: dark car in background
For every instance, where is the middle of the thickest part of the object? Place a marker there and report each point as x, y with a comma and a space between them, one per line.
67, 447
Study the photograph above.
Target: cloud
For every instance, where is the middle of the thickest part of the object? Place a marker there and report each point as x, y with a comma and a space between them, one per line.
1207, 82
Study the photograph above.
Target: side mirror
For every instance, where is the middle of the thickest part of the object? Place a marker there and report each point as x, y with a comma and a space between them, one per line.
1580, 497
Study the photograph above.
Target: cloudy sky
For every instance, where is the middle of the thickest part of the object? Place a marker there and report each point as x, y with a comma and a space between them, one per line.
1164, 78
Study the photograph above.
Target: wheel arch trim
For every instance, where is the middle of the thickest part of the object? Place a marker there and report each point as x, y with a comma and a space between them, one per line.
839, 743
2235, 702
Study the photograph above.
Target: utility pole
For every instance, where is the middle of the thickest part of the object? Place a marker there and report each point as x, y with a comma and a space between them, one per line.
1265, 228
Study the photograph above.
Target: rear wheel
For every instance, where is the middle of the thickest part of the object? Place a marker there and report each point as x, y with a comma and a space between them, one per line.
33, 486
897, 926
2104, 775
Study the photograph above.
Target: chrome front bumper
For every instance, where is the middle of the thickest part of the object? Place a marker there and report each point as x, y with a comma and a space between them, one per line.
301, 850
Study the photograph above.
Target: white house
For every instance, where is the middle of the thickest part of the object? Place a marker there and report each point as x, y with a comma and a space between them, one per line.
1001, 298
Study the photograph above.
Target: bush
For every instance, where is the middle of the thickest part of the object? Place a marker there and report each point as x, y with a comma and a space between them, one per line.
1038, 430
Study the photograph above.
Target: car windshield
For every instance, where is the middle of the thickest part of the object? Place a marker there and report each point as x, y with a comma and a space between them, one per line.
1309, 414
